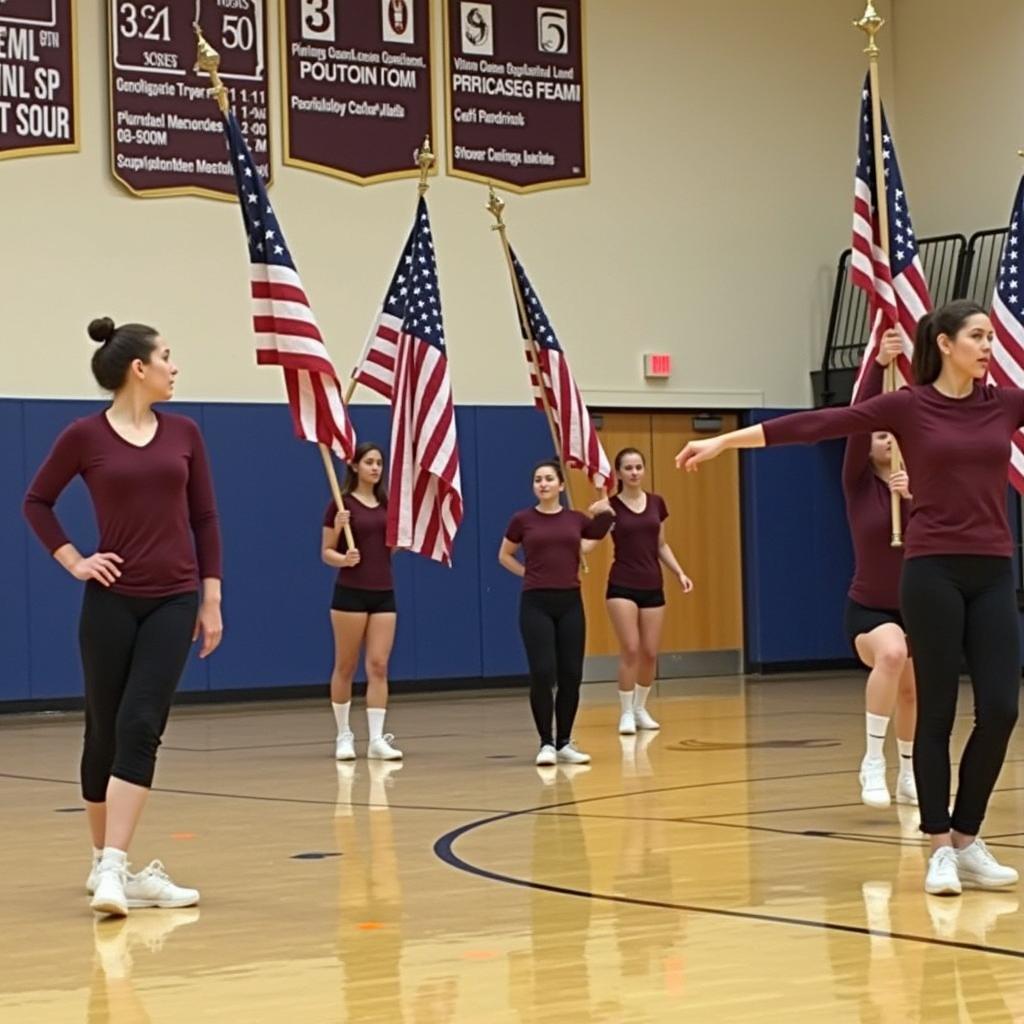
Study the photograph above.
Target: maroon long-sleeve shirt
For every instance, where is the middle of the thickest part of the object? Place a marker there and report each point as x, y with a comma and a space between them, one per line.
150, 501
877, 564
957, 452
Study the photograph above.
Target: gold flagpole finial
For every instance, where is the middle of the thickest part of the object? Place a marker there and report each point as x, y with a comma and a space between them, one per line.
870, 24
208, 60
495, 207
425, 159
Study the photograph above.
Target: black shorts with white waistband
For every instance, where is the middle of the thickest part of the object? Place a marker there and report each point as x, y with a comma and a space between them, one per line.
368, 602
641, 598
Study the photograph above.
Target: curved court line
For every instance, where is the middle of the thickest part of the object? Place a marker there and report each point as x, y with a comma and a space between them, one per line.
444, 850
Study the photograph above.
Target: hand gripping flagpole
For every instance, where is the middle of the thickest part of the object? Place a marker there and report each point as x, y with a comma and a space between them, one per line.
208, 61
425, 159
496, 208
871, 24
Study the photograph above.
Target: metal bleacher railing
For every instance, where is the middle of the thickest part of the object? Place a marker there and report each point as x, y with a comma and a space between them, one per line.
955, 267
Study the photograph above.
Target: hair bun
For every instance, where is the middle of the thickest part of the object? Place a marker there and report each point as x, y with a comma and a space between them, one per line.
101, 330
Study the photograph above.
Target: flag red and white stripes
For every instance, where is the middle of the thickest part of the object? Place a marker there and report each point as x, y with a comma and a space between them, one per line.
896, 287
287, 334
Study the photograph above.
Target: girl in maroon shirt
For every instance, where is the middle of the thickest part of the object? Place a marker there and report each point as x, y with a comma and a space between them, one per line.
149, 480
873, 620
957, 593
363, 611
551, 617
635, 596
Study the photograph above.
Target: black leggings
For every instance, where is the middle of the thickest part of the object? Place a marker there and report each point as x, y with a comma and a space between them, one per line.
958, 606
554, 632
133, 653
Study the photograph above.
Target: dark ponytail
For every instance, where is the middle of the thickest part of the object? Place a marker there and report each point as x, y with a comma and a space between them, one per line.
948, 320
119, 348
618, 462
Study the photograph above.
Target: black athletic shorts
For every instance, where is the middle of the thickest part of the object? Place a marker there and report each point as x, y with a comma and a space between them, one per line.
641, 598
861, 619
354, 599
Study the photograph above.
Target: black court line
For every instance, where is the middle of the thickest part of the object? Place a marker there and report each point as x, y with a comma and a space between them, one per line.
271, 799
444, 850
294, 743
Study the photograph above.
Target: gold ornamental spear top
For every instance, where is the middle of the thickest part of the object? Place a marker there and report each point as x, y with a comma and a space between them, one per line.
425, 158
496, 207
208, 60
870, 24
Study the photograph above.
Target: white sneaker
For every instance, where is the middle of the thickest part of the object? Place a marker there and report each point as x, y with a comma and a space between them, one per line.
381, 749
977, 867
906, 789
109, 896
94, 876
344, 747
873, 790
152, 887
644, 720
547, 756
943, 878
570, 755
627, 724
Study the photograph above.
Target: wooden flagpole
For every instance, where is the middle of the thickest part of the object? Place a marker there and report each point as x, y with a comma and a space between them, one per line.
871, 24
208, 60
496, 207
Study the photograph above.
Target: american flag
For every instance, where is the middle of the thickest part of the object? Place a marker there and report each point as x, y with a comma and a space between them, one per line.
897, 290
287, 334
1008, 322
580, 446
425, 503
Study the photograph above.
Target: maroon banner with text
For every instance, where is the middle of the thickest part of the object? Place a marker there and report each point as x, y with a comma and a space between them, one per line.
515, 74
358, 95
166, 133
38, 87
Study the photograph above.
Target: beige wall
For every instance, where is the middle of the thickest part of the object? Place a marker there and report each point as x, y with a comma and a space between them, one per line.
722, 151
960, 80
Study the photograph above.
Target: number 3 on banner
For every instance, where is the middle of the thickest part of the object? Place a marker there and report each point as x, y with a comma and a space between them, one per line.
318, 19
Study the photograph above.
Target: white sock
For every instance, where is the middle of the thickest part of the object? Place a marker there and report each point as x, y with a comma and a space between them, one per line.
640, 695
112, 857
906, 755
375, 718
341, 715
625, 700
876, 729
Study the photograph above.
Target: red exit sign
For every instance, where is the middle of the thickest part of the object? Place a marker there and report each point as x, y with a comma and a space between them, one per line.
657, 365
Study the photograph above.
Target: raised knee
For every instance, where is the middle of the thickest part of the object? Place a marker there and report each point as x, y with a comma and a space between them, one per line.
891, 659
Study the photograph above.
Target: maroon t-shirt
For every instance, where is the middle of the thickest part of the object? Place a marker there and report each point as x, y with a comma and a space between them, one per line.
369, 530
551, 543
635, 537
957, 452
877, 564
151, 501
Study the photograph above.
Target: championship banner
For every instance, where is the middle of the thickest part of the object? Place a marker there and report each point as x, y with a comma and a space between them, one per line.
516, 94
38, 78
164, 138
357, 94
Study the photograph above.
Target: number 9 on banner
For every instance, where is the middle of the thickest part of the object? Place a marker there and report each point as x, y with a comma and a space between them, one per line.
317, 17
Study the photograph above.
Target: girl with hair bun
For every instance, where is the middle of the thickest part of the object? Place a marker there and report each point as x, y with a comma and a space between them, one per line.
957, 594
551, 618
635, 595
151, 589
